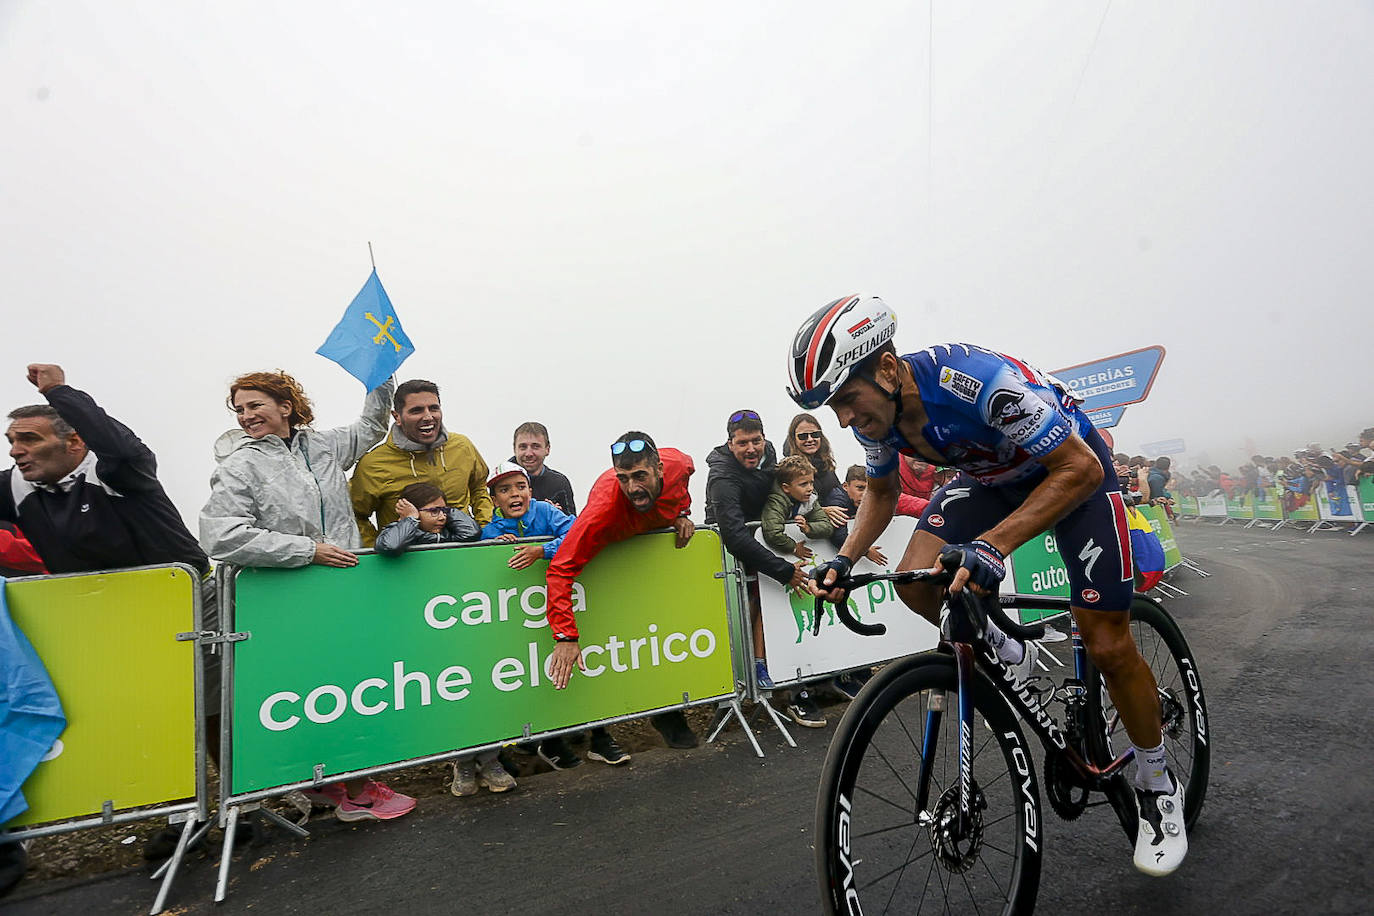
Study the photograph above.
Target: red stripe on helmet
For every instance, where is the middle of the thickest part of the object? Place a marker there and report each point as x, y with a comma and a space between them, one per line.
822, 329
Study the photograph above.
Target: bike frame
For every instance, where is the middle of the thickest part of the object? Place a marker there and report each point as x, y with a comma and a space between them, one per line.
972, 651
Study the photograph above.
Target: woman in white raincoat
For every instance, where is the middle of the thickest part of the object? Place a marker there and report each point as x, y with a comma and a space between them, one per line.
279, 497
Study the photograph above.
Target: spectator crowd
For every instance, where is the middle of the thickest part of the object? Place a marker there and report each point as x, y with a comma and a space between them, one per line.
84, 496
1294, 478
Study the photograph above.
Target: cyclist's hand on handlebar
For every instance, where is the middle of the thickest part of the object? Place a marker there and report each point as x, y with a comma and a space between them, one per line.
824, 576
977, 564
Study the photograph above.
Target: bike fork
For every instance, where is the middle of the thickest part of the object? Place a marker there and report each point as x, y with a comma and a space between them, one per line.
963, 656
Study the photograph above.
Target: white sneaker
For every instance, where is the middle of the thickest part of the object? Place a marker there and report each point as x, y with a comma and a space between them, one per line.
1026, 668
1161, 842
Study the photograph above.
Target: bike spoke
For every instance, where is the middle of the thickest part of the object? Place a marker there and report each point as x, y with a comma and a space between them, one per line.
910, 812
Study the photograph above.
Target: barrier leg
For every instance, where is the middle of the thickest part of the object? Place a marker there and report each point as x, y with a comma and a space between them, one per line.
1358, 528
723, 714
195, 838
222, 885
767, 707
1195, 568
280, 821
172, 865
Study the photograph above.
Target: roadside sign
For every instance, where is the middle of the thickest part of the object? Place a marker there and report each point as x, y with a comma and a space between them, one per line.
1114, 381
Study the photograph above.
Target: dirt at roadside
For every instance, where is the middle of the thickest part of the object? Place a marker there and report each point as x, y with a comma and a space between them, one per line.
96, 851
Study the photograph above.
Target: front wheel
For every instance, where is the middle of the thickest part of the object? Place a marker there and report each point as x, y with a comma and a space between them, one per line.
878, 850
1183, 714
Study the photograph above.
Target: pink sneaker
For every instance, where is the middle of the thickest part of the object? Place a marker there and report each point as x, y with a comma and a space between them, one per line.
326, 796
376, 803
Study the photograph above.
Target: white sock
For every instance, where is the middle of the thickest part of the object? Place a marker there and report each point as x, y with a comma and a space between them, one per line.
1152, 769
1008, 650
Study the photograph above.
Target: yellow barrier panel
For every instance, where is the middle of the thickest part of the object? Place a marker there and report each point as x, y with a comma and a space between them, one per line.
127, 686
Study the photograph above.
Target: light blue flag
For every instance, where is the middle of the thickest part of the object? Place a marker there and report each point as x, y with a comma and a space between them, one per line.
30, 715
368, 341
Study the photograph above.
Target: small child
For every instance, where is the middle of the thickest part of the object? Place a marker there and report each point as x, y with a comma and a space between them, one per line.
794, 500
850, 495
425, 519
519, 515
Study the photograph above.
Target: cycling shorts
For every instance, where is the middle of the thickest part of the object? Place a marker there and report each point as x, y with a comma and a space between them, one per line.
1093, 539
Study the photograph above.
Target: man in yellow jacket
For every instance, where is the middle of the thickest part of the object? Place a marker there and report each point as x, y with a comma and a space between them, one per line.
418, 448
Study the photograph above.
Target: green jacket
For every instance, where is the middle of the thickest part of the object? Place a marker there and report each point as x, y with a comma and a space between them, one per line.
779, 509
454, 466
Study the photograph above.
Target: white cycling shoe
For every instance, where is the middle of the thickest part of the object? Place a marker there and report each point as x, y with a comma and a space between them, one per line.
1161, 842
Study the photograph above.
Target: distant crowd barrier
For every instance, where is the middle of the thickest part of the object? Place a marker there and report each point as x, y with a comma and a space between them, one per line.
1328, 507
118, 647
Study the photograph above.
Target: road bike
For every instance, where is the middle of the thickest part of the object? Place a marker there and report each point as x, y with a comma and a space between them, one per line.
929, 799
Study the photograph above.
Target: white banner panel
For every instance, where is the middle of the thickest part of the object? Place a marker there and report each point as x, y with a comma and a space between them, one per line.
793, 653
1211, 506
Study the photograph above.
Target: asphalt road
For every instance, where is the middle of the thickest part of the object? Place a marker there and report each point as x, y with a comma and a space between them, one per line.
1282, 629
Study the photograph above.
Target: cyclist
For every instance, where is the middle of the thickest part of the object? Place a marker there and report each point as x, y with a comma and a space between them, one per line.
1029, 460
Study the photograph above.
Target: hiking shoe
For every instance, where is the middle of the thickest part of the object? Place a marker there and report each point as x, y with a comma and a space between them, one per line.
376, 802
804, 711
761, 674
14, 862
604, 749
494, 776
556, 753
1161, 842
675, 730
1026, 668
326, 796
464, 778
846, 686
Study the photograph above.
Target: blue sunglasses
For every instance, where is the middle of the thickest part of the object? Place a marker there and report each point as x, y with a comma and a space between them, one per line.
634, 445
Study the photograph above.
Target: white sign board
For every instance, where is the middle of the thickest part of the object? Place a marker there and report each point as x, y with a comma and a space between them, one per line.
793, 653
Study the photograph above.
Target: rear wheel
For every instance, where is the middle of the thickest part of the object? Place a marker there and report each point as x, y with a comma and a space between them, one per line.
1183, 712
877, 850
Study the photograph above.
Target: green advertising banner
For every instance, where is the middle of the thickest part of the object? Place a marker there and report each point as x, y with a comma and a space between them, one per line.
1159, 520
127, 687
444, 649
1267, 505
1187, 505
1038, 570
1239, 507
1307, 513
1365, 490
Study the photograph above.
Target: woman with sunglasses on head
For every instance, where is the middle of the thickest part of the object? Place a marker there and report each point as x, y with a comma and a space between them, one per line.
804, 437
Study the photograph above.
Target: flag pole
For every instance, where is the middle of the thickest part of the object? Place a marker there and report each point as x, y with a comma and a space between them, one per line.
370, 257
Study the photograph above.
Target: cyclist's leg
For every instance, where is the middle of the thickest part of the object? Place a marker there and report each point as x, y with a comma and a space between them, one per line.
960, 511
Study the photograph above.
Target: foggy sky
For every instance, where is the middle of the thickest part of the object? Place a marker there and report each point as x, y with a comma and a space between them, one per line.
613, 215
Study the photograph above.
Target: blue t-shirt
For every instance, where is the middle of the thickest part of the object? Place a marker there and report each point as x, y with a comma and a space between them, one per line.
989, 415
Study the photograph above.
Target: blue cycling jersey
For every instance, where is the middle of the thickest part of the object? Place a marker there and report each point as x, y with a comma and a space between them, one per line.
989, 415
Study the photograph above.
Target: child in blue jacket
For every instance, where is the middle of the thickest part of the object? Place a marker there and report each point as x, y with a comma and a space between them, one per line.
520, 515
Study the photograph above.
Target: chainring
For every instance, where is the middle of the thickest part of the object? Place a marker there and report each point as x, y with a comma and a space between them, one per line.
1065, 789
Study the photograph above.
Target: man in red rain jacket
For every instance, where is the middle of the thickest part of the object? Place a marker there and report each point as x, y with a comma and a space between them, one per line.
645, 489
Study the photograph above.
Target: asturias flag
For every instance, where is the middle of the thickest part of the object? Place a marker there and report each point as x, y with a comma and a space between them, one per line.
368, 341
1146, 550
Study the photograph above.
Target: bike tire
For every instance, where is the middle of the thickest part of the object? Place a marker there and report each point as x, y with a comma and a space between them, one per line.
1183, 708
872, 767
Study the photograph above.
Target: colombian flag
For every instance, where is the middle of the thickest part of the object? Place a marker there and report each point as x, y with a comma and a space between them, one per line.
1145, 548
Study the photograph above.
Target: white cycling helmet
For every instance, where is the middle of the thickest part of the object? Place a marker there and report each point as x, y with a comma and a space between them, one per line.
834, 342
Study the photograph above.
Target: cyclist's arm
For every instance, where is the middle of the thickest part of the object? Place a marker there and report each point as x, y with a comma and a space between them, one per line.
1074, 473
874, 515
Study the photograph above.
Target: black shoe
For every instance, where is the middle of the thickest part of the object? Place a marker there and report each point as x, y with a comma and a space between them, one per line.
556, 753
604, 749
675, 730
14, 862
846, 686
804, 711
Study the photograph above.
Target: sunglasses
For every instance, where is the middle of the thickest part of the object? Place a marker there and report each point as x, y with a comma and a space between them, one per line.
804, 437
743, 415
634, 445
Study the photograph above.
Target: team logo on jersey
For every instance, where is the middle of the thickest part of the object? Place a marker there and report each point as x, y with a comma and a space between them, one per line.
1007, 407
962, 385
936, 521
1091, 595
